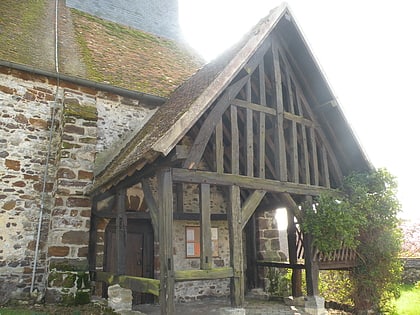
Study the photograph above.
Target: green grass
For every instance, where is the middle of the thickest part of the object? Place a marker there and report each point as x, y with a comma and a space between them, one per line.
409, 302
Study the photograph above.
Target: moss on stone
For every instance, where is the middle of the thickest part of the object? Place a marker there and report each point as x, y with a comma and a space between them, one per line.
77, 110
82, 297
69, 280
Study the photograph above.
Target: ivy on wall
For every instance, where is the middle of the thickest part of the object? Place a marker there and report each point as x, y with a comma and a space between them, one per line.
362, 216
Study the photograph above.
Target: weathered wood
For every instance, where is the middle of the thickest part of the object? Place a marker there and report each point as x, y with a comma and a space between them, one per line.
219, 147
254, 107
250, 204
194, 176
293, 255
152, 206
137, 284
249, 140
235, 140
325, 167
280, 145
209, 124
280, 265
121, 232
188, 216
179, 190
258, 57
205, 228
237, 293
311, 266
314, 156
93, 240
167, 285
261, 138
299, 119
251, 254
215, 273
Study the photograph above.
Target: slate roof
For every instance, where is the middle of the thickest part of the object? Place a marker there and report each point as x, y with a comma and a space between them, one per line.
92, 48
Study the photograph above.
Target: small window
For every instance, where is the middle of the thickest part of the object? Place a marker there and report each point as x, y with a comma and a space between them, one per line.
192, 241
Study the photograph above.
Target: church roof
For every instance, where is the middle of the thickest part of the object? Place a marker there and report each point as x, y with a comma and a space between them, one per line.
92, 48
189, 101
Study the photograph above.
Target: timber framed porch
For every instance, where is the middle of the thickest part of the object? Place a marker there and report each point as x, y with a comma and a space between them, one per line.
255, 130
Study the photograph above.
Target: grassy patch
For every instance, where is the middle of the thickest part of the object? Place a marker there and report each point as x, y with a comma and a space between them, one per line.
409, 302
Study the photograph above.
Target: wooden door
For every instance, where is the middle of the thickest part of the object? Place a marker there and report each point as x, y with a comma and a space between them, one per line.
139, 256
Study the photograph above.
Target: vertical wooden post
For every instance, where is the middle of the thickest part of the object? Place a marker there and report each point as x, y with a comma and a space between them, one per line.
205, 228
93, 236
121, 231
261, 138
235, 139
291, 240
281, 159
311, 266
235, 246
167, 283
251, 254
219, 146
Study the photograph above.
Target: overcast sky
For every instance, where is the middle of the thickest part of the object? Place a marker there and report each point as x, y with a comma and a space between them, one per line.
370, 53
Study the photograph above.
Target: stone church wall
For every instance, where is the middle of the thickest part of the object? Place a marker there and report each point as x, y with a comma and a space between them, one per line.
86, 122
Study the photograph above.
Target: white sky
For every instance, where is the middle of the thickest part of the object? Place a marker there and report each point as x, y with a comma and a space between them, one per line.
370, 53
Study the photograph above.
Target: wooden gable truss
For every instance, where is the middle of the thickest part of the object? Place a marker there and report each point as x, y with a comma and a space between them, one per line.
263, 145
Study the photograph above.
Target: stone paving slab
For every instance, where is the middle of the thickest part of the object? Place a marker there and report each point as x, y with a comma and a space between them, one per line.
217, 306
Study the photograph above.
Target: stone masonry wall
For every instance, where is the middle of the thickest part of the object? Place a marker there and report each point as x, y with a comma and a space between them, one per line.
86, 122
25, 118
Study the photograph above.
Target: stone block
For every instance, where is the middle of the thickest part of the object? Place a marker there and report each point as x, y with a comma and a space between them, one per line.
231, 311
12, 164
119, 298
315, 305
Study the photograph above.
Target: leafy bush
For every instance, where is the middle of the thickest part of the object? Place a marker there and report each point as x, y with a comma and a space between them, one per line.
363, 216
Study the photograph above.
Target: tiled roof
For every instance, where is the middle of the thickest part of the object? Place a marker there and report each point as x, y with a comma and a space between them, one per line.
93, 48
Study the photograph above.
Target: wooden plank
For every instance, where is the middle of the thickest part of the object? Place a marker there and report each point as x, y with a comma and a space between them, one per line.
234, 140
205, 228
252, 278
196, 216
261, 127
299, 119
280, 148
219, 147
314, 155
307, 173
237, 293
215, 273
293, 254
93, 240
325, 167
167, 283
194, 176
249, 141
254, 107
250, 204
121, 231
280, 265
137, 284
209, 124
152, 205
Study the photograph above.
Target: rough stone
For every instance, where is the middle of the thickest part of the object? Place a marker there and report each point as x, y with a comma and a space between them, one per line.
12, 164
119, 298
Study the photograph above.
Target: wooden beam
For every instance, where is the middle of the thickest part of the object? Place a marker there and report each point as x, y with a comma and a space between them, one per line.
250, 204
194, 176
234, 140
209, 124
258, 57
216, 273
254, 107
237, 293
219, 147
280, 148
249, 135
152, 205
167, 283
205, 228
261, 127
325, 167
293, 255
251, 254
137, 284
314, 155
188, 216
121, 232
